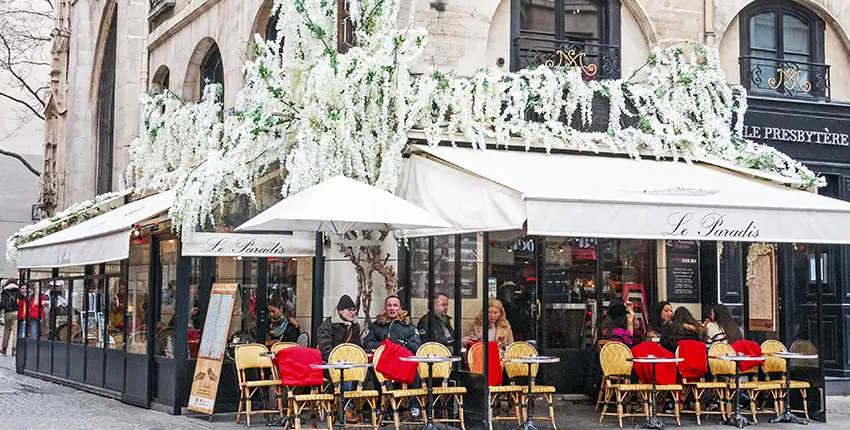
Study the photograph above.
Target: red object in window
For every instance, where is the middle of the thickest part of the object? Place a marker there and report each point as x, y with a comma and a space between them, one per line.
665, 373
294, 364
750, 349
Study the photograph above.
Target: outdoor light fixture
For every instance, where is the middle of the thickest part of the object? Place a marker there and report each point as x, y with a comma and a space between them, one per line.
137, 231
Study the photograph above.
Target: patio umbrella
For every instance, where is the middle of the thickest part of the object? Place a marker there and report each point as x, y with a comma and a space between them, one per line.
340, 205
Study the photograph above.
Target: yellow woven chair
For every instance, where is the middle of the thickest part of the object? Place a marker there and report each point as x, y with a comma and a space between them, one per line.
254, 356
752, 387
278, 346
441, 372
349, 352
396, 397
697, 388
522, 349
312, 400
776, 367
756, 389
498, 393
599, 345
617, 371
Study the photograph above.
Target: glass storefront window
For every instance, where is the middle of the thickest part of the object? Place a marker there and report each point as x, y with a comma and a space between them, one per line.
94, 320
137, 297
165, 327
281, 301
56, 299
117, 312
76, 310
244, 318
443, 295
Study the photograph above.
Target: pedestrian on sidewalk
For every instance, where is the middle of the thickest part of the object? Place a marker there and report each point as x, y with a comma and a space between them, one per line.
9, 307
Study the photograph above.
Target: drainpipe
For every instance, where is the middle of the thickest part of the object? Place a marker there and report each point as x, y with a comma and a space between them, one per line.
708, 19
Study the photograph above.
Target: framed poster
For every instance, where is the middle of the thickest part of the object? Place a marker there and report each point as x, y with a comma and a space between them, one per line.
683, 271
761, 286
211, 352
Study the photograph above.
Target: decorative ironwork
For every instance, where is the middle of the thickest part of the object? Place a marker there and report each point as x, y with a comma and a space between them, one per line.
787, 78
596, 61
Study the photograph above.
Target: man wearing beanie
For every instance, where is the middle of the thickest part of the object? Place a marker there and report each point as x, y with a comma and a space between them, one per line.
341, 327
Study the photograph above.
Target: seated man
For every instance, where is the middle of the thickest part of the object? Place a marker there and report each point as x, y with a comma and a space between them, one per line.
440, 329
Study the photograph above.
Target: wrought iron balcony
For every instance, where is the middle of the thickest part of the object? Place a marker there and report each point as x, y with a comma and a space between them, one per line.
597, 61
785, 78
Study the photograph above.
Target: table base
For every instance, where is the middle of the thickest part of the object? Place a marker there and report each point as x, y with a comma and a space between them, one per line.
788, 417
739, 421
653, 423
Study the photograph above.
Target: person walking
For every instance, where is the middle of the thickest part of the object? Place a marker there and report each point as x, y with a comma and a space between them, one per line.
436, 326
9, 307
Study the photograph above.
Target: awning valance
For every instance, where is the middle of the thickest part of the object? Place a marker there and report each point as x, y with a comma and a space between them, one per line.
597, 196
98, 240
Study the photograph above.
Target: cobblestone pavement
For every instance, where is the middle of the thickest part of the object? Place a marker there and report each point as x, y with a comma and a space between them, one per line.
29, 403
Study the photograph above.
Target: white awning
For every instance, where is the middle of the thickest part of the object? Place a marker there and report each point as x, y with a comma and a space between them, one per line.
98, 240
597, 196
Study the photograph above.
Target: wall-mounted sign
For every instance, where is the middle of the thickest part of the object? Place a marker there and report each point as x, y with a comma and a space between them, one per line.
249, 245
683, 271
796, 135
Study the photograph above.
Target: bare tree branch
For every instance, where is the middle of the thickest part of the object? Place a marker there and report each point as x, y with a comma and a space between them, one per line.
22, 160
24, 103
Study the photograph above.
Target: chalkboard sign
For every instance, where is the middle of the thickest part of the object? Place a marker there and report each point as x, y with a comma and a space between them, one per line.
444, 266
683, 271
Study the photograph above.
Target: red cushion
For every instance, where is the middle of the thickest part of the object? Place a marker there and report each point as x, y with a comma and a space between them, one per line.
665, 373
392, 367
294, 364
694, 353
750, 349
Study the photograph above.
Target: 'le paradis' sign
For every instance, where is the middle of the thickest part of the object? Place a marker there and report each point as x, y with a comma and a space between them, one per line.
248, 245
712, 225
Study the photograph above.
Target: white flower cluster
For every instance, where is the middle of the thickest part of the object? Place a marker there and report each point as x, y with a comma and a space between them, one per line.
317, 113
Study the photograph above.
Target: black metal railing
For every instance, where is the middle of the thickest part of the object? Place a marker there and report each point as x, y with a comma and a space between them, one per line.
785, 78
596, 60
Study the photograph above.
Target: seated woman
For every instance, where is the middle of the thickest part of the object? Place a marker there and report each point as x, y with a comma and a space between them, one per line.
499, 329
619, 324
681, 327
661, 315
283, 327
721, 327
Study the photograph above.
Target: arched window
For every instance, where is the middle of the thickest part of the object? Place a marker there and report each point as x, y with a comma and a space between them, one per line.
271, 26
550, 27
161, 79
106, 111
211, 69
782, 49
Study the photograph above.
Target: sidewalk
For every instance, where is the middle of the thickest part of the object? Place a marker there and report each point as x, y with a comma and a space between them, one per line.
30, 403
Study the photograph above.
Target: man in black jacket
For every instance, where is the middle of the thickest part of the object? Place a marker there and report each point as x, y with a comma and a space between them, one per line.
9, 307
341, 327
441, 323
394, 324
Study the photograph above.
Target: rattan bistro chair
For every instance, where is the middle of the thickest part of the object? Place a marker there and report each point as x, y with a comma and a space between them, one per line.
498, 393
756, 389
349, 352
522, 349
396, 397
279, 346
441, 372
253, 356
697, 388
776, 367
617, 371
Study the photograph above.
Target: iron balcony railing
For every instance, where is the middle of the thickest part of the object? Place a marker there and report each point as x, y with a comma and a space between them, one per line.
596, 60
785, 78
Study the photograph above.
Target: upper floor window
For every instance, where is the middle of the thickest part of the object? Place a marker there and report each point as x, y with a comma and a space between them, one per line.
106, 110
568, 33
271, 26
212, 69
782, 50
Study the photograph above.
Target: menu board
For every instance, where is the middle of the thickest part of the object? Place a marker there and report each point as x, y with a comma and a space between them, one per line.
211, 351
683, 271
444, 266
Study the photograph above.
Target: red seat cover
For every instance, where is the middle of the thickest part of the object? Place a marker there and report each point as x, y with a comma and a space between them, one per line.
294, 364
665, 373
750, 349
694, 353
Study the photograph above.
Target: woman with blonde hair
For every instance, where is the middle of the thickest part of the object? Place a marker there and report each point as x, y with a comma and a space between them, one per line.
499, 328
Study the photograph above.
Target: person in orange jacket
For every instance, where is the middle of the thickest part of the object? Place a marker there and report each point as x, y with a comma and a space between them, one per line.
29, 313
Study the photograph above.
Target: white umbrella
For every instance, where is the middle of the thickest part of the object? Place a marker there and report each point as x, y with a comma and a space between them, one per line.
339, 205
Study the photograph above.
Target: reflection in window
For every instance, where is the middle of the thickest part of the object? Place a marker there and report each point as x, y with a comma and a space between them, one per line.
212, 69
137, 298
281, 301
117, 312
76, 310
168, 298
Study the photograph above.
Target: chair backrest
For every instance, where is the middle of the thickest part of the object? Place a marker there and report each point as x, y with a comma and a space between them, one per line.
352, 353
475, 357
519, 349
614, 360
720, 367
252, 356
375, 357
773, 364
803, 346
439, 370
278, 346
303, 339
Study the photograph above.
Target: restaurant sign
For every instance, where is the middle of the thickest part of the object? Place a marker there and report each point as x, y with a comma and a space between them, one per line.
248, 245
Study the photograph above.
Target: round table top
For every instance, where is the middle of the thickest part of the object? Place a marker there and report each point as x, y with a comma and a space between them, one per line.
340, 365
535, 359
429, 358
657, 360
795, 355
739, 358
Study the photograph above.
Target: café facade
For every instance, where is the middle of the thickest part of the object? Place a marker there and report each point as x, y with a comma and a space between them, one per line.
555, 236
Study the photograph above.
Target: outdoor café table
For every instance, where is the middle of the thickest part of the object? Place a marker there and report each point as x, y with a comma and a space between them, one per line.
652, 422
530, 361
787, 416
430, 360
342, 366
738, 420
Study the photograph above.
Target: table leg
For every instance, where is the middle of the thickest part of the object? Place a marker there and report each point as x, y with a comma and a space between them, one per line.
429, 420
738, 420
340, 423
787, 416
529, 420
653, 422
